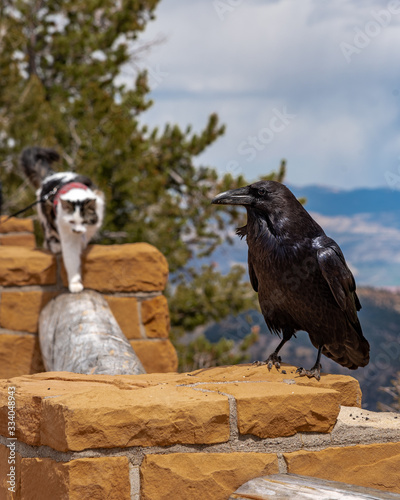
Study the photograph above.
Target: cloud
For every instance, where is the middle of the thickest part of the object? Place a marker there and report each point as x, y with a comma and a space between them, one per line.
268, 55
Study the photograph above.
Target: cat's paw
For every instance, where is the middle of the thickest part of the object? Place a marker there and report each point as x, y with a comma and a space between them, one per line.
75, 287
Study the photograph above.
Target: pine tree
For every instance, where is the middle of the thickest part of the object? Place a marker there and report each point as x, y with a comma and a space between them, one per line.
59, 63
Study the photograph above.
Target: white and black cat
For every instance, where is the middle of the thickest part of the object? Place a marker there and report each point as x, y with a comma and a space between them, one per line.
70, 209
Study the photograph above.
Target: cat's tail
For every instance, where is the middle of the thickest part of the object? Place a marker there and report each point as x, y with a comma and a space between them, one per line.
36, 163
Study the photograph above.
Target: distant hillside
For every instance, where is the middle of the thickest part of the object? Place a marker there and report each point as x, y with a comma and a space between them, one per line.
380, 319
328, 201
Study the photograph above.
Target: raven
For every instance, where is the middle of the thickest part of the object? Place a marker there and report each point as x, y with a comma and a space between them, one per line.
301, 276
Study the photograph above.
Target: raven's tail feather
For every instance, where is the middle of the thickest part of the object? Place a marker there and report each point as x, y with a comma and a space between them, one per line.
36, 163
352, 353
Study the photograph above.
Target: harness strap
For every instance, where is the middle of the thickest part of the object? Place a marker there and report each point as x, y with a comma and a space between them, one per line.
57, 191
65, 188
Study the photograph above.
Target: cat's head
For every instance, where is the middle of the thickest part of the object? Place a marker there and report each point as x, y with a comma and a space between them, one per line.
78, 214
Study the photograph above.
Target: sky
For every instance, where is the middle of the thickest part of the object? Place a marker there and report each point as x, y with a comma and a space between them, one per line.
315, 82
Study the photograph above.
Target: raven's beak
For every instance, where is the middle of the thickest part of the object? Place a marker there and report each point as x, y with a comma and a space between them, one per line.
240, 196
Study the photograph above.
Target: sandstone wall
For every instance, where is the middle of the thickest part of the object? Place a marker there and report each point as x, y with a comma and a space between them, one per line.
190, 436
131, 277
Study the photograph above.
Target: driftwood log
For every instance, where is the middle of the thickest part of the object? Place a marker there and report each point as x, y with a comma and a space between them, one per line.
78, 333
290, 486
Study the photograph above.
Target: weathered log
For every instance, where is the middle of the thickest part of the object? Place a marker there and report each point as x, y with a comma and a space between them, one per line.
78, 333
289, 486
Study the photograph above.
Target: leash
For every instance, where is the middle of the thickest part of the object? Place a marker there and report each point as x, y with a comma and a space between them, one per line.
41, 200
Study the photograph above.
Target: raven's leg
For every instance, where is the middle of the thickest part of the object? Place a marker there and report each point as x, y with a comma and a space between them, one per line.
273, 359
315, 370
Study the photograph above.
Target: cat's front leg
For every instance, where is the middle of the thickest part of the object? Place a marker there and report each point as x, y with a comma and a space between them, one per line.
75, 284
71, 252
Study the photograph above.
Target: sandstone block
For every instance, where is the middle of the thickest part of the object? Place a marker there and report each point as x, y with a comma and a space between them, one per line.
20, 310
348, 387
18, 240
132, 267
270, 410
199, 476
19, 355
374, 465
10, 458
125, 310
15, 225
155, 317
107, 417
24, 266
81, 479
156, 356
28, 410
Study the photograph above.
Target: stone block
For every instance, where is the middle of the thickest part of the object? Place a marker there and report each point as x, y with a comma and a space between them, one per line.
156, 356
15, 225
132, 267
199, 476
81, 479
10, 479
155, 317
154, 416
125, 310
374, 465
348, 387
107, 417
18, 240
274, 409
20, 310
19, 355
24, 266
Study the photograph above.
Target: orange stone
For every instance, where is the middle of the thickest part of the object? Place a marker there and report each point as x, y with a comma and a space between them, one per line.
132, 267
24, 266
155, 317
373, 465
274, 409
84, 478
10, 458
125, 311
107, 417
347, 387
19, 355
157, 356
20, 310
18, 240
200, 476
15, 225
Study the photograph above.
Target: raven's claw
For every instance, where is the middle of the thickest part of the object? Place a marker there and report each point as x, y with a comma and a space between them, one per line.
272, 360
314, 372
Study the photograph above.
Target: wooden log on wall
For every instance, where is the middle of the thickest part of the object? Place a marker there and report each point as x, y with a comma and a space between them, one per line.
288, 486
78, 333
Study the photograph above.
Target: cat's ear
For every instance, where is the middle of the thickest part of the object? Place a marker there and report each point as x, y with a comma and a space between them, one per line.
67, 206
90, 204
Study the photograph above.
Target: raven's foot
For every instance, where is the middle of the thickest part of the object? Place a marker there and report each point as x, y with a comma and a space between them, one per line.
272, 360
314, 372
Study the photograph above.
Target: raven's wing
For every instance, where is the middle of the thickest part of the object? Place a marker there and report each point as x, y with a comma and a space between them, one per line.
334, 269
253, 277
348, 349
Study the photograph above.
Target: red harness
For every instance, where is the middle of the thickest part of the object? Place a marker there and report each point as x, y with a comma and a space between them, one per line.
65, 189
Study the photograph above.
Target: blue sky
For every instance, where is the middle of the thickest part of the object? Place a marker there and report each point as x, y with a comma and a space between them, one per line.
312, 81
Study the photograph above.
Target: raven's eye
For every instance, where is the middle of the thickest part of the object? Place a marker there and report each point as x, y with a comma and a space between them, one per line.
262, 191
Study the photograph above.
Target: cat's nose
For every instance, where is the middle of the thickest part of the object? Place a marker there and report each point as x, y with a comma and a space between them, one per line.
79, 229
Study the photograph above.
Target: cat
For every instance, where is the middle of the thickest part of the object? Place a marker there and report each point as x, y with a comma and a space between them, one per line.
70, 209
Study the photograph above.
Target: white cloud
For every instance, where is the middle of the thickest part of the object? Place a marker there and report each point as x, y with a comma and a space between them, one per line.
266, 55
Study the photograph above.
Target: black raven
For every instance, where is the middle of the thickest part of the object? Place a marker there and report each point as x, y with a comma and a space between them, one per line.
300, 274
